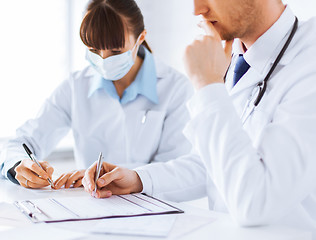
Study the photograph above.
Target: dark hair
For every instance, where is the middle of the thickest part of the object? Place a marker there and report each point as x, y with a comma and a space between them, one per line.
106, 22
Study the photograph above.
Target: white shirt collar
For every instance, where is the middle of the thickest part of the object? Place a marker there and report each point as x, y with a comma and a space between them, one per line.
261, 55
265, 50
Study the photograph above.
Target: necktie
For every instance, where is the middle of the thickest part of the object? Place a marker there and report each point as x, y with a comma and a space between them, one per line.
240, 69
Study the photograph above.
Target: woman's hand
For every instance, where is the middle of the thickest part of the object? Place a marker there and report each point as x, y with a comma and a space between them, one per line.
73, 178
30, 175
114, 180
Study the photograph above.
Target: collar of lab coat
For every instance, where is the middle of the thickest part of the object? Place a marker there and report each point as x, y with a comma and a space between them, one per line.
262, 54
145, 82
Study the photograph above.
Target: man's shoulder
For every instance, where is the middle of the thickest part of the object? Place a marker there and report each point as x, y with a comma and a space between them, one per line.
307, 31
303, 45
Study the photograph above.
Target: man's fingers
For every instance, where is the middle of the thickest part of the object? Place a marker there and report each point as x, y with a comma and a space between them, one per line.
89, 177
103, 193
85, 185
108, 167
209, 29
109, 177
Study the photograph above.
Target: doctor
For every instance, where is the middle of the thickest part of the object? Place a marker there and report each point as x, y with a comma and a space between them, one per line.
126, 104
253, 128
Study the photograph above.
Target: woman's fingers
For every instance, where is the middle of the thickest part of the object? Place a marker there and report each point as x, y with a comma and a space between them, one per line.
28, 184
48, 168
62, 180
28, 163
36, 176
74, 177
33, 178
78, 183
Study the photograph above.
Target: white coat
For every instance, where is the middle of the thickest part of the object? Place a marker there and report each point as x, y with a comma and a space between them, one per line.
100, 123
262, 171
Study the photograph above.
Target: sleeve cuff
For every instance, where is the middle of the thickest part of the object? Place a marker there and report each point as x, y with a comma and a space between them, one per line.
146, 181
213, 96
11, 173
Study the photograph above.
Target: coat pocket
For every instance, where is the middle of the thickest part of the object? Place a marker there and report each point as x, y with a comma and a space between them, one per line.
145, 134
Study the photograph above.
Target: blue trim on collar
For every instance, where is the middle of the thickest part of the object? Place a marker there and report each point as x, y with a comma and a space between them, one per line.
144, 84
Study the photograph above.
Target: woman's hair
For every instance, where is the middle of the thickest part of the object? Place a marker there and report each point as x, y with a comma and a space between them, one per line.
106, 22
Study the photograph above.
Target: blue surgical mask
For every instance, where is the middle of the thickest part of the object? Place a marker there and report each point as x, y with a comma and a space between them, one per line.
114, 67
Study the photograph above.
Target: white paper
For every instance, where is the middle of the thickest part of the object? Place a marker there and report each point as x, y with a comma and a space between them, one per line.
10, 216
187, 224
173, 226
155, 226
40, 232
87, 207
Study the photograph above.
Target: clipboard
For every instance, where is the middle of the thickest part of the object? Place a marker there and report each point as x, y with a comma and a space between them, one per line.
50, 210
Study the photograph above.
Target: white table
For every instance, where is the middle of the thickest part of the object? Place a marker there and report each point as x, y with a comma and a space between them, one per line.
222, 228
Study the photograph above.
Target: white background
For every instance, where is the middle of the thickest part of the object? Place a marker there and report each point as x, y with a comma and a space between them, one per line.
40, 46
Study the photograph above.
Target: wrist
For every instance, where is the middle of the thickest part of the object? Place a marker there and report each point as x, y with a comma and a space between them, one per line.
201, 84
138, 185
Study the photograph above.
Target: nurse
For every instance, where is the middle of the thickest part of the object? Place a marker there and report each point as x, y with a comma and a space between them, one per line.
126, 104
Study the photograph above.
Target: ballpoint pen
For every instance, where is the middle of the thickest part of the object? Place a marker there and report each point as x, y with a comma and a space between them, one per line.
145, 116
97, 171
30, 154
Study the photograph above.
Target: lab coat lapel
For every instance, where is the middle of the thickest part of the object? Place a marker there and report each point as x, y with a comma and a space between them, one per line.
250, 79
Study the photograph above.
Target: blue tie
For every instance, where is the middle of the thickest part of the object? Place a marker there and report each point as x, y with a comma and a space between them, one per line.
240, 69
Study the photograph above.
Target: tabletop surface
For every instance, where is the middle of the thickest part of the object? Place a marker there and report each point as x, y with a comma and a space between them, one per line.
220, 226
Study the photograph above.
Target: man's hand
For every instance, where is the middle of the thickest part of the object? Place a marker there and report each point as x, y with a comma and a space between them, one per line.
73, 178
30, 175
205, 60
114, 180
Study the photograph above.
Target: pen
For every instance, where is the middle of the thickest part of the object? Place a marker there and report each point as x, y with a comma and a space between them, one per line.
97, 172
29, 152
145, 116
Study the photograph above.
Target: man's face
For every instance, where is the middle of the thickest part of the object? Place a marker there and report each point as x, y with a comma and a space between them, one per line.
231, 18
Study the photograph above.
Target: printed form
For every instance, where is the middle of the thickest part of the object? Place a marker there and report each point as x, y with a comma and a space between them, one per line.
87, 207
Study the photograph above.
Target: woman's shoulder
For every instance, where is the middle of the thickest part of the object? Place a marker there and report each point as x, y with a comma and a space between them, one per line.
81, 78
167, 73
172, 82
83, 74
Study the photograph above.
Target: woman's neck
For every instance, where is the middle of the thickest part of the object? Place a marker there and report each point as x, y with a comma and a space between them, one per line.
123, 83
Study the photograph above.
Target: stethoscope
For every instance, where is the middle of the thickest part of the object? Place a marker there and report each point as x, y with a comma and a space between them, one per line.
261, 87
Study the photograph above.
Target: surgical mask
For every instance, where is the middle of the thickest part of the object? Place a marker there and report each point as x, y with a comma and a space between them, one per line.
114, 67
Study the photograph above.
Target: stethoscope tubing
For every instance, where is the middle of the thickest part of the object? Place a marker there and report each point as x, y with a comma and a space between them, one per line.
276, 62
262, 86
